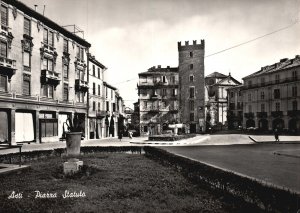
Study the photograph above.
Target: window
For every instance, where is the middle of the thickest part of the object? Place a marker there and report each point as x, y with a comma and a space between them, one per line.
191, 54
231, 94
80, 97
47, 91
164, 92
277, 106
262, 95
94, 70
174, 92
262, 108
191, 66
294, 75
192, 116
27, 26
294, 91
249, 83
48, 64
276, 93
3, 83
81, 53
277, 78
66, 72
192, 92
48, 37
66, 92
99, 106
4, 17
78, 52
94, 89
173, 79
107, 106
240, 93
94, 106
3, 49
145, 104
114, 107
146, 128
262, 81
191, 78
163, 104
99, 90
26, 61
249, 97
239, 105
111, 94
99, 73
249, 108
66, 46
295, 105
192, 105
26, 85
164, 79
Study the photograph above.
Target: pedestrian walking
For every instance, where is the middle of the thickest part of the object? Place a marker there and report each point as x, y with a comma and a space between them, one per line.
276, 134
130, 134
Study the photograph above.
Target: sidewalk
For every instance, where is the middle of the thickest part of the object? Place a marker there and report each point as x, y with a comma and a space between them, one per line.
271, 139
135, 141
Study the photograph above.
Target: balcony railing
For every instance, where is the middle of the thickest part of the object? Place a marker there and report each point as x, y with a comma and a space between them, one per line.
101, 113
81, 85
50, 77
294, 113
7, 63
249, 115
262, 114
276, 114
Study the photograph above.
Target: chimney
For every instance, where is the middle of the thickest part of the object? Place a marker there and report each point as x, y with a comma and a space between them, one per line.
35, 7
158, 66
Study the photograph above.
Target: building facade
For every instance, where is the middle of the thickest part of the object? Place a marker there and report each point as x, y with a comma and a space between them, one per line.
42, 76
216, 98
158, 99
191, 86
271, 97
96, 96
235, 107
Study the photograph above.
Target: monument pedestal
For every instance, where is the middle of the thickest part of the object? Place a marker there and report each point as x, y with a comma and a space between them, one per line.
72, 166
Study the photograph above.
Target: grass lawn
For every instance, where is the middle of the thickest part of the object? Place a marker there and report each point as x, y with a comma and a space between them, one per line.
112, 182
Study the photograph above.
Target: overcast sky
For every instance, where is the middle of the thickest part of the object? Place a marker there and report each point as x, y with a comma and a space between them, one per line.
129, 36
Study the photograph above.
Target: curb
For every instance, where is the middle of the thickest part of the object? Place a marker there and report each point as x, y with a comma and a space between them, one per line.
171, 143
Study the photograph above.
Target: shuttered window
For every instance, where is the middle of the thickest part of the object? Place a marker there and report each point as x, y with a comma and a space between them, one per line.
66, 92
66, 72
26, 59
27, 27
45, 37
3, 49
50, 41
3, 83
66, 46
26, 87
4, 17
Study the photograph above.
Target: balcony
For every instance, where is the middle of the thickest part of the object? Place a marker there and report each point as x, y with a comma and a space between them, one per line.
173, 110
249, 115
81, 85
262, 114
153, 110
154, 97
50, 77
8, 66
294, 113
277, 114
101, 113
48, 49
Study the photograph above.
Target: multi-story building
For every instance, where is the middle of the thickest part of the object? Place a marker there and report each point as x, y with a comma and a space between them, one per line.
111, 118
191, 86
42, 76
235, 107
96, 96
216, 97
158, 99
271, 97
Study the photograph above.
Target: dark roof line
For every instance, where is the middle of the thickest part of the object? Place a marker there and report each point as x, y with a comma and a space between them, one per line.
95, 61
28, 11
109, 86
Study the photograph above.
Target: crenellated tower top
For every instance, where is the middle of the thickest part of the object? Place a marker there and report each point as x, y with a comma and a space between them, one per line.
193, 46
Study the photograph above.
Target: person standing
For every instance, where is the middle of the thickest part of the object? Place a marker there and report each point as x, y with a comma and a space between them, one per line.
276, 134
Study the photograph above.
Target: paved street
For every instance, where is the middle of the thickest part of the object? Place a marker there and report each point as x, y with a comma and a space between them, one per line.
254, 160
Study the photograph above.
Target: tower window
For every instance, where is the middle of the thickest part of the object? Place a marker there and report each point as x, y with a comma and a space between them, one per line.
191, 54
192, 92
191, 78
191, 66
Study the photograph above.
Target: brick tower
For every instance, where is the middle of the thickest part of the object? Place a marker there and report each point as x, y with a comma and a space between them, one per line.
191, 86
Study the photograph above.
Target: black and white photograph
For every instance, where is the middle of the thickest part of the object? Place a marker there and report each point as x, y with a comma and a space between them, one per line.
150, 106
